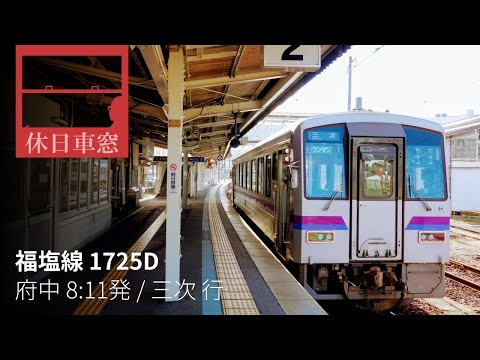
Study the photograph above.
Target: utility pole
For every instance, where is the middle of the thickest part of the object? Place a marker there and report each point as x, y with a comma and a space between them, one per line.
350, 83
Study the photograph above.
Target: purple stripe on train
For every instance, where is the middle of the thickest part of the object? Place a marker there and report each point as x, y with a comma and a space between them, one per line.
319, 223
429, 223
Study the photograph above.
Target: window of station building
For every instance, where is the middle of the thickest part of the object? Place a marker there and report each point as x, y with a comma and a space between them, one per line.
64, 184
465, 146
83, 182
268, 178
14, 182
40, 180
75, 177
424, 164
103, 180
150, 177
73, 197
260, 175
254, 175
94, 181
325, 171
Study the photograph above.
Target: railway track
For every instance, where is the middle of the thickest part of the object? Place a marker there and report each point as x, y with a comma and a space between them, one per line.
462, 280
465, 266
464, 231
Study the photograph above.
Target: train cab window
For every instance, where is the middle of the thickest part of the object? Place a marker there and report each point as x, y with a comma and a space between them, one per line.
254, 175
268, 177
325, 172
377, 171
425, 172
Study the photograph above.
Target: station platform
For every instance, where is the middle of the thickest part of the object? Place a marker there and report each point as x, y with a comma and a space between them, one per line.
225, 269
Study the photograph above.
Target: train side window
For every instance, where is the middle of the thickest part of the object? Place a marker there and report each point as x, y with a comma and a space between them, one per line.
260, 175
425, 168
241, 174
244, 178
268, 182
254, 175
248, 175
274, 166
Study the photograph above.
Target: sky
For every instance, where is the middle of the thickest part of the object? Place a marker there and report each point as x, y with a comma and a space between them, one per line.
415, 80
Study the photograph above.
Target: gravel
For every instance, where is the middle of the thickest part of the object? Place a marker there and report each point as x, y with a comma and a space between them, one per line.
419, 307
463, 294
463, 249
466, 250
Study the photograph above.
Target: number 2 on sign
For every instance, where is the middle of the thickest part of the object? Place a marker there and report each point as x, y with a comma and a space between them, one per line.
287, 54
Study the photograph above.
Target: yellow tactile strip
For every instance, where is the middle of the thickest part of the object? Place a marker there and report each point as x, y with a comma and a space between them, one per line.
235, 295
291, 296
95, 305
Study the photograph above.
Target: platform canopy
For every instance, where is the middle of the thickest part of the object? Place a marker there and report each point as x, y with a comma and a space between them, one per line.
221, 81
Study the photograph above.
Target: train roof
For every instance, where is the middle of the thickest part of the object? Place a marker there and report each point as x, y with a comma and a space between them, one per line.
349, 117
371, 117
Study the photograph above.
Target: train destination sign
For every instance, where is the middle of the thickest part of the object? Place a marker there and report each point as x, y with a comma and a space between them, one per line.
324, 136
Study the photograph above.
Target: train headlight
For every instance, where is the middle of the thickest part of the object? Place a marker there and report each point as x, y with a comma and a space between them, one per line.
431, 236
320, 237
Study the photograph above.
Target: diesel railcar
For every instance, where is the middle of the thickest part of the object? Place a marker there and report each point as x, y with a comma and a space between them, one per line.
357, 202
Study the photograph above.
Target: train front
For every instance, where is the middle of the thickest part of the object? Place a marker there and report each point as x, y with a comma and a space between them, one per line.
370, 216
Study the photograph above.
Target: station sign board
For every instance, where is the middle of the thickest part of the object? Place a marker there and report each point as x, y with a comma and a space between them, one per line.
292, 57
190, 159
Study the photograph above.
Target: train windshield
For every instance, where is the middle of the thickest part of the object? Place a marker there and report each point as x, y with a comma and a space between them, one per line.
325, 162
424, 164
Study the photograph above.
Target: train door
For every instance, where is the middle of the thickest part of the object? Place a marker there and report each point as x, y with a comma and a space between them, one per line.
377, 199
281, 202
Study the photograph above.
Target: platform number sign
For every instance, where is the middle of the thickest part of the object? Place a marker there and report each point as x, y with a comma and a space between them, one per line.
287, 54
292, 57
